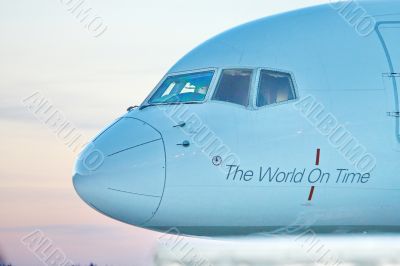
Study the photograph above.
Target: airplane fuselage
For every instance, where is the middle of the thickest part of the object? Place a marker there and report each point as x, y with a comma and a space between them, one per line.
313, 140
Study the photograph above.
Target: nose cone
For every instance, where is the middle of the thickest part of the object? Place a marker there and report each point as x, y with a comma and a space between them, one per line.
122, 172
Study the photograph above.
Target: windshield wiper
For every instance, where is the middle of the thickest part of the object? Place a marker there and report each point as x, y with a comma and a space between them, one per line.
175, 103
146, 105
192, 102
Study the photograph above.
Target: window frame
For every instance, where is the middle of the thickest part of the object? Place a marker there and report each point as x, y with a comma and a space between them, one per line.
251, 86
193, 71
253, 92
258, 83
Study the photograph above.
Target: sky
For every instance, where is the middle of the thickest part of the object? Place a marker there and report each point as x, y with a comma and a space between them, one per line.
91, 80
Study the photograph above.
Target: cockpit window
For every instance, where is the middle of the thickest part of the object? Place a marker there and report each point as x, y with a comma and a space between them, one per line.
234, 86
275, 87
191, 87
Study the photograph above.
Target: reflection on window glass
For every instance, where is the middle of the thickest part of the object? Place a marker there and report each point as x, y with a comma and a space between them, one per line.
274, 87
191, 87
234, 86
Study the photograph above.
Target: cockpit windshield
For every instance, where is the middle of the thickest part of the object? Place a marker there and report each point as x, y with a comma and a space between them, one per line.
183, 88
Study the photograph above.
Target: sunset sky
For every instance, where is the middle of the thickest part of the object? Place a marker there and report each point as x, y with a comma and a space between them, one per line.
91, 81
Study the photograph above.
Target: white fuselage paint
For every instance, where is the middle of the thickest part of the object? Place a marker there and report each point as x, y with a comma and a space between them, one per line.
350, 81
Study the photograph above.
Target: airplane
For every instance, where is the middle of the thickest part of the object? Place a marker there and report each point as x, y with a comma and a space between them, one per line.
290, 121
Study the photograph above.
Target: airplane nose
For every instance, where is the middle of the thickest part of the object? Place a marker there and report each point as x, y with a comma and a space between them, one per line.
122, 172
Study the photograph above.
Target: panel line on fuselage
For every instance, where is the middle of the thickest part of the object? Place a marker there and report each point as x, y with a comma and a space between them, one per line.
138, 194
148, 142
392, 71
